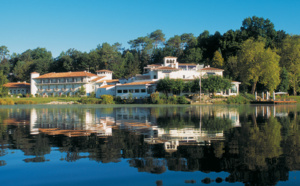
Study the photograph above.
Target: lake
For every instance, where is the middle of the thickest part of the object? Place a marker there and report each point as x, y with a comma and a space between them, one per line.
149, 145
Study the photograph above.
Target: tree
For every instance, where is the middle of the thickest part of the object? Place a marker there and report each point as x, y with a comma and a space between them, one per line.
290, 59
131, 65
82, 91
259, 27
231, 67
215, 83
158, 37
4, 52
258, 64
217, 60
284, 84
3, 80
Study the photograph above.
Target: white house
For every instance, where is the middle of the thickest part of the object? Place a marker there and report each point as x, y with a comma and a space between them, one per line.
140, 86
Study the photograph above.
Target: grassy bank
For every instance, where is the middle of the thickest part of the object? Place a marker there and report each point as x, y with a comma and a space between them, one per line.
33, 100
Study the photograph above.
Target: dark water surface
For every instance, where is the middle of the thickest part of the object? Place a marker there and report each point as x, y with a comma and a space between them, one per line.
150, 145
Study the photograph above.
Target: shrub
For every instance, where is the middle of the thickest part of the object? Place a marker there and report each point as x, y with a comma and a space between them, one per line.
92, 95
172, 99
237, 100
154, 98
63, 96
6, 101
20, 95
25, 102
68, 94
182, 100
250, 97
107, 99
85, 100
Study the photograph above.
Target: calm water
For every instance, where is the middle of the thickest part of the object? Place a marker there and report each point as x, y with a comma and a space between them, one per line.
150, 145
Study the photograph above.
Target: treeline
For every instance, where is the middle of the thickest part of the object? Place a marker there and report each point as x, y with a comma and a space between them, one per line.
259, 56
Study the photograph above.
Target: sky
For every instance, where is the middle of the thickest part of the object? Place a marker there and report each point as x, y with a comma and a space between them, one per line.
59, 25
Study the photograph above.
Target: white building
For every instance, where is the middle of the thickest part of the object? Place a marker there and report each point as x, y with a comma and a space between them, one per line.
140, 86
18, 88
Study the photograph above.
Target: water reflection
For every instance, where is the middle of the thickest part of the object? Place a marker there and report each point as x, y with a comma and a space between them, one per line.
255, 144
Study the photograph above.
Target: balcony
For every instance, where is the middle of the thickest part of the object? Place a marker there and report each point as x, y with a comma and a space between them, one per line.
62, 82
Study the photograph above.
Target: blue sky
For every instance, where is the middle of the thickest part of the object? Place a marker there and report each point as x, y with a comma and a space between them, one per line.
58, 25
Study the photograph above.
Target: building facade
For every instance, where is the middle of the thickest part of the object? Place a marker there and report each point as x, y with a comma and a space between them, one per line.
139, 86
18, 88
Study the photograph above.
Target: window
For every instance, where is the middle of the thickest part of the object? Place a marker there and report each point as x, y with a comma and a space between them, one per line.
183, 76
143, 90
131, 90
125, 91
137, 90
154, 77
119, 91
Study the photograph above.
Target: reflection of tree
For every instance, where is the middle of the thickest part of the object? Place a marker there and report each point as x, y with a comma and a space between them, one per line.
151, 165
260, 153
259, 143
215, 124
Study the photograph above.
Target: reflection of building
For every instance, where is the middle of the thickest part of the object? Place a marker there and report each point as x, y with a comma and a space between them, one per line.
140, 120
55, 122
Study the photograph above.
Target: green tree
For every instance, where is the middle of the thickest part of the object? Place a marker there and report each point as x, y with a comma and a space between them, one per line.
258, 64
215, 83
290, 59
131, 65
217, 60
4, 52
284, 84
82, 91
259, 27
3, 80
158, 37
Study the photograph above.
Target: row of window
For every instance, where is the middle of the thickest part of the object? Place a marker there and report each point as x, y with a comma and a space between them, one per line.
64, 80
131, 91
18, 91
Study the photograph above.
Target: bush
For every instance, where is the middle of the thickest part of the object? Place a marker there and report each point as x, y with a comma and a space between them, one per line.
182, 100
107, 99
85, 100
237, 100
172, 99
63, 96
154, 98
20, 95
92, 95
6, 101
250, 97
25, 102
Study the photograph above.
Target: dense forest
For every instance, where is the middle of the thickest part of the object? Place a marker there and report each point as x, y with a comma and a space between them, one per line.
257, 55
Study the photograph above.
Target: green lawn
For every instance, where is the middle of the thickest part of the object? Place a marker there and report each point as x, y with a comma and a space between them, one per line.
40, 100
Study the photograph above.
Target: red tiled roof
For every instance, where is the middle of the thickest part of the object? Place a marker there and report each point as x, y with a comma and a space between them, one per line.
139, 83
211, 68
109, 81
155, 65
98, 78
104, 71
165, 68
17, 85
107, 86
66, 74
